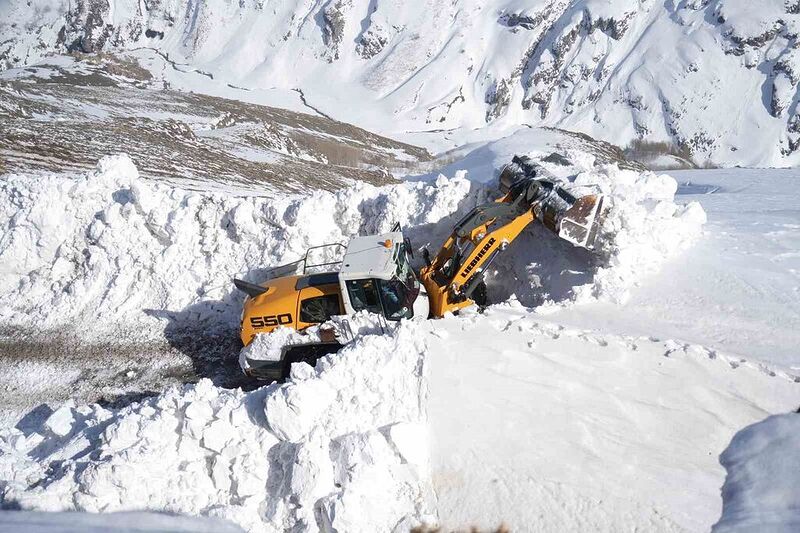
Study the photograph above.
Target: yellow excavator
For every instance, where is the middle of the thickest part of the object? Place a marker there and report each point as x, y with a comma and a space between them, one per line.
374, 273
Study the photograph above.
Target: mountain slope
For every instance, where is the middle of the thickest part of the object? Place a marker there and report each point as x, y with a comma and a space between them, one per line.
702, 74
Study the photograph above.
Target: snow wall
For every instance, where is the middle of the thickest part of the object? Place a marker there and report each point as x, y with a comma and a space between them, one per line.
338, 448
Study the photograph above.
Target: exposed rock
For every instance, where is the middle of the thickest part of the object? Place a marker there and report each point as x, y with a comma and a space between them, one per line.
514, 20
371, 42
334, 19
498, 98
613, 27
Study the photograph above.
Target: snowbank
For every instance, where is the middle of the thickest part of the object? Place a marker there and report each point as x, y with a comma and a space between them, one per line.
644, 227
761, 489
534, 422
109, 251
339, 448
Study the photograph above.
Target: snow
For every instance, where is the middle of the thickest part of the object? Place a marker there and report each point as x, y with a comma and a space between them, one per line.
760, 490
302, 456
586, 399
581, 430
270, 347
102, 249
94, 251
737, 289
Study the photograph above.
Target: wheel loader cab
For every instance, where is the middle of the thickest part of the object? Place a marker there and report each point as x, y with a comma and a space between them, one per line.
374, 275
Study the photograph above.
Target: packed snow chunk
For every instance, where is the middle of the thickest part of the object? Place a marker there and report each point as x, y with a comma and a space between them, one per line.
295, 410
299, 406
269, 346
61, 421
303, 455
761, 489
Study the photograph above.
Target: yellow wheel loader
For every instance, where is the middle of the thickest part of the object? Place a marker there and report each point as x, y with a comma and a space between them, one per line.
374, 273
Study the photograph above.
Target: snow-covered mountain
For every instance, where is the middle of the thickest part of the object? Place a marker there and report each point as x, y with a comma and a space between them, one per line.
716, 78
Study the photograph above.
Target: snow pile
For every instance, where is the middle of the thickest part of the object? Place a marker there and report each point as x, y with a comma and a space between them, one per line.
761, 490
339, 448
643, 227
269, 347
109, 251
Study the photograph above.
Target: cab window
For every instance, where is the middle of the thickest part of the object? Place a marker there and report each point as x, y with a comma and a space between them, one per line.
319, 309
364, 295
395, 298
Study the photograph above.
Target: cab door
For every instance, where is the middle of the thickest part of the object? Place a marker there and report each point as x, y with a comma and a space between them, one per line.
317, 304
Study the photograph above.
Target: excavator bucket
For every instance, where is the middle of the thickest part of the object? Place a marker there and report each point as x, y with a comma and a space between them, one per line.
575, 215
580, 223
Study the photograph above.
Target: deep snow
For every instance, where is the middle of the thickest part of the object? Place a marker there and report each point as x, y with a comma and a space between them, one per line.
566, 429
739, 290
598, 430
324, 451
507, 417
100, 250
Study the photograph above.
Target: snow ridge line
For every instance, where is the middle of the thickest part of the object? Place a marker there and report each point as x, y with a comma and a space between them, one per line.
673, 348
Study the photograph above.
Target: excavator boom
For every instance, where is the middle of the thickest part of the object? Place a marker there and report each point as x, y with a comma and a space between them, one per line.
454, 275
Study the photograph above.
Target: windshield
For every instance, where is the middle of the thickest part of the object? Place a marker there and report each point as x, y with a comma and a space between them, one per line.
397, 299
404, 272
393, 298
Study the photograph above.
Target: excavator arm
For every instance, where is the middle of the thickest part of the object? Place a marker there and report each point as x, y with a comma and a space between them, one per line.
457, 271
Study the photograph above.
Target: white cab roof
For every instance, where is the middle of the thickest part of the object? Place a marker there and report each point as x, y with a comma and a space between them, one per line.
368, 257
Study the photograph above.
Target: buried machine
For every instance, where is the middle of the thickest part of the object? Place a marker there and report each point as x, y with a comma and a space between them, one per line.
375, 274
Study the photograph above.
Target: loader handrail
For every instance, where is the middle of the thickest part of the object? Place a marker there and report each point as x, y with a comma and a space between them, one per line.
293, 268
306, 266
